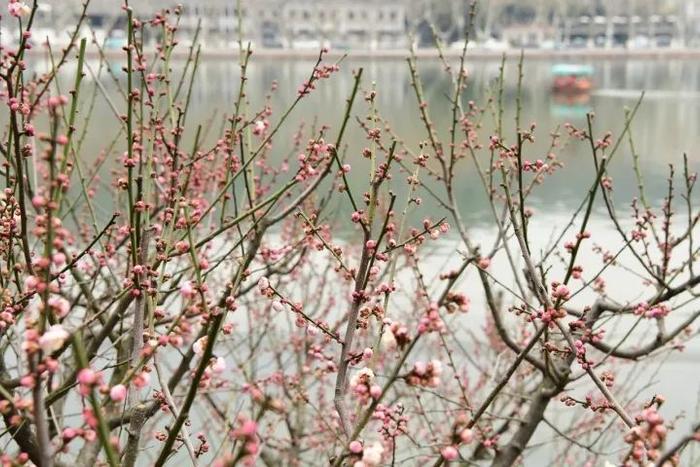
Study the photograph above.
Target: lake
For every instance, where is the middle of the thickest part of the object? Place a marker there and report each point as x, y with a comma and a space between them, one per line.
666, 126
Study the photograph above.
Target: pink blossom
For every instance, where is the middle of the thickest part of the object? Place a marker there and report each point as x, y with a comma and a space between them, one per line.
59, 305
388, 340
449, 453
182, 246
372, 454
59, 259
53, 338
199, 345
259, 127
118, 393
466, 435
30, 283
355, 447
38, 201
19, 9
561, 292
248, 428
27, 381
87, 377
69, 434
219, 365
419, 368
142, 379
187, 290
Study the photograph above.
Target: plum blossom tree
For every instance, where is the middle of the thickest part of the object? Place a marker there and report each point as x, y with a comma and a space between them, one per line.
239, 308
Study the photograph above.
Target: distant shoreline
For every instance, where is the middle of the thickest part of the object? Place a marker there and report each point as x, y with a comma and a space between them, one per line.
478, 54
181, 53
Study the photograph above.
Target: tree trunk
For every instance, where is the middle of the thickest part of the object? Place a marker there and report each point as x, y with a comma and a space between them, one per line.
507, 456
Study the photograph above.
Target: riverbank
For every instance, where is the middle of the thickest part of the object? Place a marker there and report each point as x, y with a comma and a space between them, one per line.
659, 53
182, 51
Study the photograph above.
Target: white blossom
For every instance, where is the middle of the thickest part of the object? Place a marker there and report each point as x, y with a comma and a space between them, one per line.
53, 338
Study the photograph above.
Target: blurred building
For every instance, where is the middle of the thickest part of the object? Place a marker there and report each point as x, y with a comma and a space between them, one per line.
388, 24
692, 17
266, 23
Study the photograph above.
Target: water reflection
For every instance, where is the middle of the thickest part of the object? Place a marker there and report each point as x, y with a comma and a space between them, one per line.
665, 126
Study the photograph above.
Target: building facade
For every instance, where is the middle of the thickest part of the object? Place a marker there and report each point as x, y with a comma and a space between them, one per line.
374, 25
363, 24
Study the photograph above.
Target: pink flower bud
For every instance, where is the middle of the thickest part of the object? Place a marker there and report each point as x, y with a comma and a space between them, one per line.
118, 393
449, 453
355, 447
187, 289
69, 434
27, 381
199, 345
59, 305
420, 368
561, 292
248, 428
87, 376
18, 9
53, 338
219, 365
31, 282
467, 436
142, 379
59, 259
38, 201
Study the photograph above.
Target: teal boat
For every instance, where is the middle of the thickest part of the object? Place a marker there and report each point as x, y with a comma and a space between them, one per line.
572, 78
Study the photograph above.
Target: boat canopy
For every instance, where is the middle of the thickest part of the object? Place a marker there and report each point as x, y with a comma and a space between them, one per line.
568, 69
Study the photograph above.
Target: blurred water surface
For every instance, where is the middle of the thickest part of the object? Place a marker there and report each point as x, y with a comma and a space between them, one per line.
666, 127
